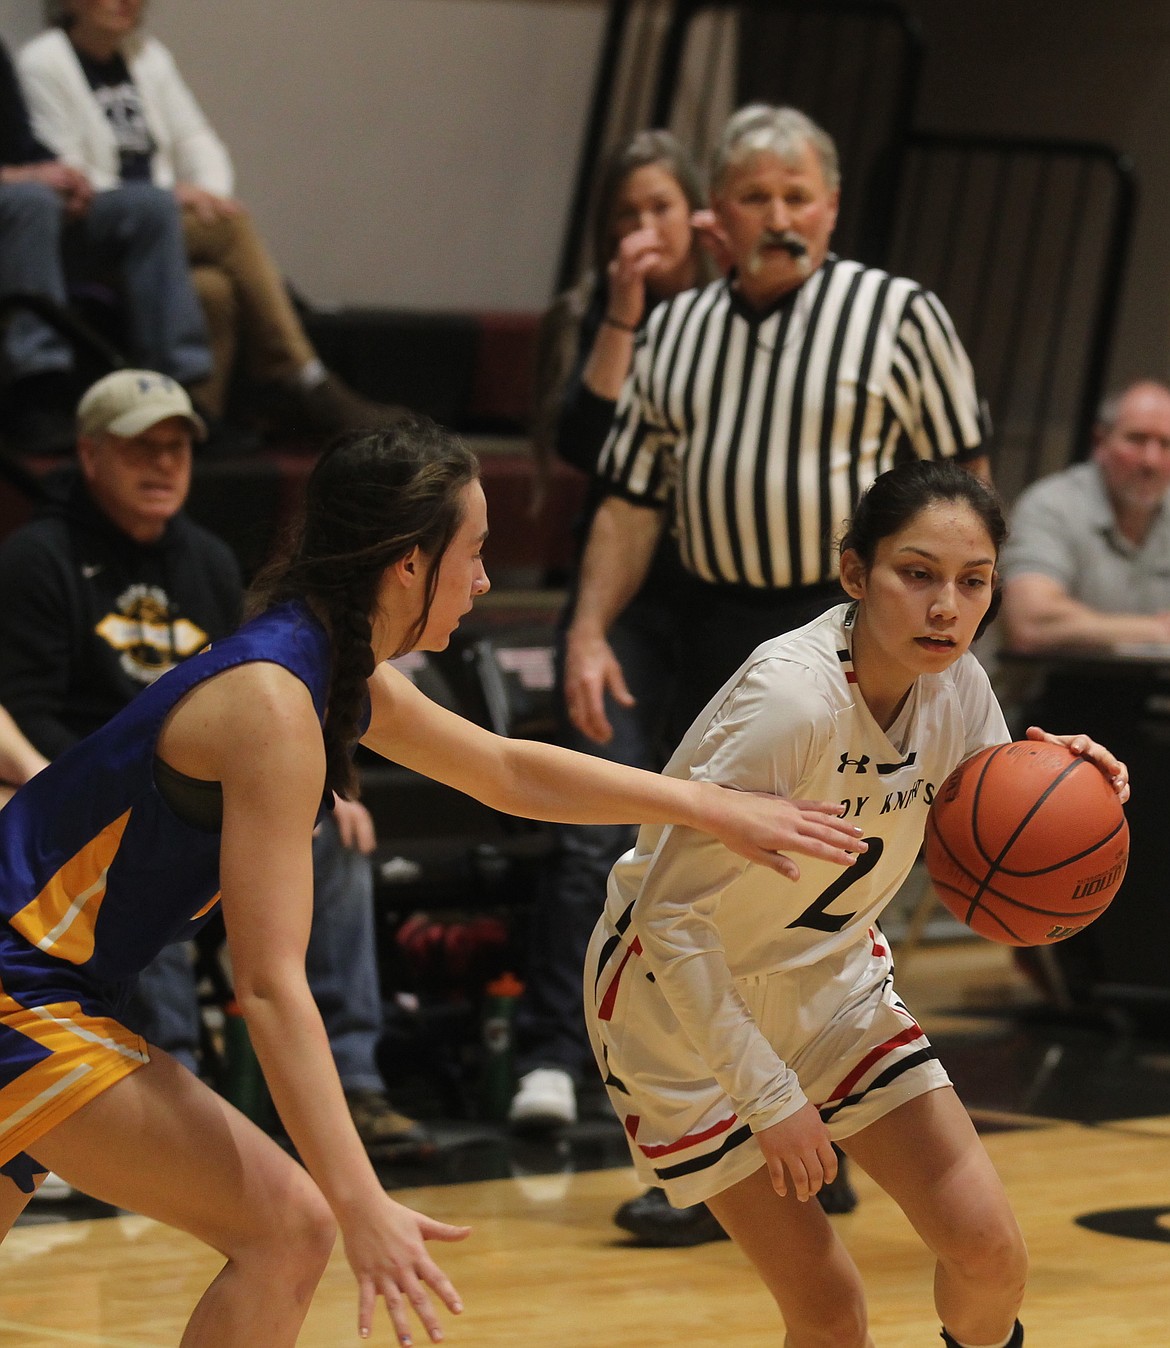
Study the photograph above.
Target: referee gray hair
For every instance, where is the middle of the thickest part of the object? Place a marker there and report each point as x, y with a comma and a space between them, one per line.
761, 128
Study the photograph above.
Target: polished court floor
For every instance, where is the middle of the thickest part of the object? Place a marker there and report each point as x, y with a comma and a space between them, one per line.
1076, 1116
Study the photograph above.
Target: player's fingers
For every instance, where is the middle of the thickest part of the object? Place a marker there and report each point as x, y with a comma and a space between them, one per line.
416, 1295
837, 835
830, 807
778, 1177
367, 1298
431, 1273
828, 1155
430, 1229
396, 1305
778, 862
807, 1174
838, 851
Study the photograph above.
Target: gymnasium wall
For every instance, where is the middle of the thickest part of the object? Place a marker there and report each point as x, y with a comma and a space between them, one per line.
419, 153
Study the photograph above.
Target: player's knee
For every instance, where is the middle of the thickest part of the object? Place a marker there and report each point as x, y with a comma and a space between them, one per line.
308, 1232
992, 1256
841, 1324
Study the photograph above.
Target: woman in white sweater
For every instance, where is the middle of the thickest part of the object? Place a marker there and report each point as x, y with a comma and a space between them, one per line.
111, 102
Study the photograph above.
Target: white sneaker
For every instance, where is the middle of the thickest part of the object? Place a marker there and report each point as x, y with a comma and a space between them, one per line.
53, 1189
545, 1098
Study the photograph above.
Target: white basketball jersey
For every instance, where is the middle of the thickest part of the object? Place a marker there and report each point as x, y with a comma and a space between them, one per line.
790, 721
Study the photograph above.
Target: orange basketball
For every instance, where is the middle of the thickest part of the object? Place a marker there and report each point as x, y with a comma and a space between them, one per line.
1026, 843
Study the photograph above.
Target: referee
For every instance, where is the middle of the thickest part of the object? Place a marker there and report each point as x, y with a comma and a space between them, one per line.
757, 411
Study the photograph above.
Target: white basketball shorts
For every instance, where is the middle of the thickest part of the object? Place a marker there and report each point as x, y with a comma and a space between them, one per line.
855, 1048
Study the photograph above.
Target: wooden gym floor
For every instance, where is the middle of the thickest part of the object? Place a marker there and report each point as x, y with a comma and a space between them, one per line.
1076, 1117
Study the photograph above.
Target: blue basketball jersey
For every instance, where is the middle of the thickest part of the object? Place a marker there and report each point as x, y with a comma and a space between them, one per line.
97, 872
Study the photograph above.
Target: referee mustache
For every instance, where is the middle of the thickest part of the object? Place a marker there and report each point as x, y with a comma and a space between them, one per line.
789, 241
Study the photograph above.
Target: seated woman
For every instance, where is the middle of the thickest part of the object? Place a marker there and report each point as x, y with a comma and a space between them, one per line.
111, 102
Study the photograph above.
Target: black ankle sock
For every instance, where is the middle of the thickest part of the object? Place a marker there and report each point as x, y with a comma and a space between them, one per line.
1016, 1340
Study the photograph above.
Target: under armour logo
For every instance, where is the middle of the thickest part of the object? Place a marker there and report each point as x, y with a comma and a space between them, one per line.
857, 764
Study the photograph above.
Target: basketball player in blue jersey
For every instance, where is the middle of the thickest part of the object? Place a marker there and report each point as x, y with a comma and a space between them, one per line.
742, 1027
206, 789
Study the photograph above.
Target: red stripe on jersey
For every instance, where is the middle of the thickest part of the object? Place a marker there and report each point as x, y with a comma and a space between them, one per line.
907, 1036
691, 1138
632, 1123
850, 677
605, 1010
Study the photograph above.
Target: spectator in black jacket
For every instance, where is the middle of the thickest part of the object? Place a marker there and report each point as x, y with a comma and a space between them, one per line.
49, 212
101, 596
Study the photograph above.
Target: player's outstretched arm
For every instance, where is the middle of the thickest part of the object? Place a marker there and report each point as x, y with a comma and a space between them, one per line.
254, 729
1084, 747
541, 781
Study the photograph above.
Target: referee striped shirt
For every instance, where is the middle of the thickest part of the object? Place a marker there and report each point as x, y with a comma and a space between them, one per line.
766, 427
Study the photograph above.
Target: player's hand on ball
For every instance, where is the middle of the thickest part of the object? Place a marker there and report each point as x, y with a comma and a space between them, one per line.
386, 1250
1084, 747
799, 1154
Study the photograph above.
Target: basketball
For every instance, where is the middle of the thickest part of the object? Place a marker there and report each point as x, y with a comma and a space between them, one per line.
1026, 843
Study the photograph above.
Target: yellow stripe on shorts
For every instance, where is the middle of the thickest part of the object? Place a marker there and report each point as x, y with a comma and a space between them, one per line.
86, 1055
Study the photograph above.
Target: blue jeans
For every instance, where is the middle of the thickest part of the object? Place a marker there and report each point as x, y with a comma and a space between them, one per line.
550, 1020
341, 964
135, 232
341, 961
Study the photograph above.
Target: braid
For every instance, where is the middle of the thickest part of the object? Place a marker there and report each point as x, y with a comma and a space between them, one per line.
372, 498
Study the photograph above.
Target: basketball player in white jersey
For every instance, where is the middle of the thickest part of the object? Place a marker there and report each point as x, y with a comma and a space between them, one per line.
742, 1025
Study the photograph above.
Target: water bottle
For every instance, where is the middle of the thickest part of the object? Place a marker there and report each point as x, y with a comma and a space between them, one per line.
497, 1076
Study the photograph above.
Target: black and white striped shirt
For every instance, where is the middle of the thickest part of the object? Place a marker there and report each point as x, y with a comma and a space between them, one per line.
767, 427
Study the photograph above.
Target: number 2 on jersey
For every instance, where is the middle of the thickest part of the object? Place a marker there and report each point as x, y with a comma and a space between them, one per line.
815, 916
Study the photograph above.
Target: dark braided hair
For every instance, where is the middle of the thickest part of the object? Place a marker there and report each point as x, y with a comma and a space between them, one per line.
371, 498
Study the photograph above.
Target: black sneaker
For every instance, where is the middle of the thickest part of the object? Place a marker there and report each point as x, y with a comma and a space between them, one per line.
654, 1222
840, 1196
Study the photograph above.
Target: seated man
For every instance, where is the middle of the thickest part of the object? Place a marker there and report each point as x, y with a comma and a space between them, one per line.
112, 102
1087, 565
101, 596
47, 209
1087, 562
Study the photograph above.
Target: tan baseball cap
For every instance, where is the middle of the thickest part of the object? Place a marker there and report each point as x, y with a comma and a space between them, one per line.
129, 402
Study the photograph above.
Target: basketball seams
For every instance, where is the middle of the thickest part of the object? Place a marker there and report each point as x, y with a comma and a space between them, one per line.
985, 885
1065, 861
1021, 827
